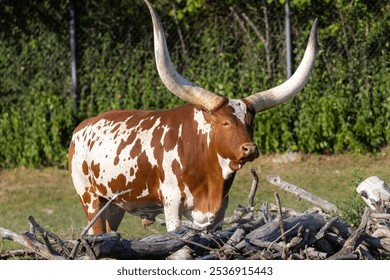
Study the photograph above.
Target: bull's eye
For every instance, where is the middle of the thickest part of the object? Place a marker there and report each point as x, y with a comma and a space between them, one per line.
225, 123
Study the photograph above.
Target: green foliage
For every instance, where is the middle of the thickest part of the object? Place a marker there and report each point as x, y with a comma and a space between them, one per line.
344, 107
35, 120
353, 208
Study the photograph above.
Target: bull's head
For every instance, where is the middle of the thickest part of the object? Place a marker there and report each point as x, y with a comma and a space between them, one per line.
231, 121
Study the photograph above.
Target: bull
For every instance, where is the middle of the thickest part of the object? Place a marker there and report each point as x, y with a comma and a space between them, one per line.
179, 162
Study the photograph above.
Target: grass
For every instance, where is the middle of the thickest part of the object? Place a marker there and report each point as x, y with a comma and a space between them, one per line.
48, 194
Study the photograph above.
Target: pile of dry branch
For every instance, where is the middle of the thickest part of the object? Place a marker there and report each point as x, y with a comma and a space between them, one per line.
271, 232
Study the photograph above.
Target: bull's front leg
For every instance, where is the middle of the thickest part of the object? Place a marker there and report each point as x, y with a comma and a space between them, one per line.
219, 218
172, 215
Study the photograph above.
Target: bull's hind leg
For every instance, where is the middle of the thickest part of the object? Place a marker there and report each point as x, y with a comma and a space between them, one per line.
114, 216
107, 221
92, 205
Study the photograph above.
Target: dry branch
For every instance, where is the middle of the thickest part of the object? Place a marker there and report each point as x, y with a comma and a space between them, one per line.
303, 194
29, 241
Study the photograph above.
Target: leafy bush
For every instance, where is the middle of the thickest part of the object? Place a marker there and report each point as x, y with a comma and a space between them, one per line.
353, 208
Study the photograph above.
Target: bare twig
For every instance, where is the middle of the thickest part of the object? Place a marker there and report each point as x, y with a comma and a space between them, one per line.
280, 216
237, 215
282, 236
242, 25
90, 224
46, 233
183, 45
252, 193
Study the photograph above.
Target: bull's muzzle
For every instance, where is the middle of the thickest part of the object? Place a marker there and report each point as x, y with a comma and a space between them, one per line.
249, 150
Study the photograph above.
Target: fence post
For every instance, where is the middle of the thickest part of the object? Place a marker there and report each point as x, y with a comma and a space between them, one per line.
288, 39
73, 53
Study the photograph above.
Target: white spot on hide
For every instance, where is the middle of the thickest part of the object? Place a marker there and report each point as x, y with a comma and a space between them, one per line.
226, 170
144, 193
239, 107
203, 126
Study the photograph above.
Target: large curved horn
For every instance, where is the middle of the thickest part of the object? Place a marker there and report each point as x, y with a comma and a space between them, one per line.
178, 85
272, 97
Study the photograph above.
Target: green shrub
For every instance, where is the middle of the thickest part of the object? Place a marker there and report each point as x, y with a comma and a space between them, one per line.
353, 208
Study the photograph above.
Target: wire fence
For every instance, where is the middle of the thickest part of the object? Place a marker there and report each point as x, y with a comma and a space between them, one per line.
233, 48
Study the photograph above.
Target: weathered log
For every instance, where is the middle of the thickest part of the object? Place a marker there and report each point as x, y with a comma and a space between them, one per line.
351, 256
364, 252
15, 254
237, 236
313, 254
374, 191
271, 231
335, 239
382, 231
296, 240
238, 213
325, 246
158, 246
303, 194
151, 247
323, 230
265, 213
383, 216
355, 239
185, 253
374, 242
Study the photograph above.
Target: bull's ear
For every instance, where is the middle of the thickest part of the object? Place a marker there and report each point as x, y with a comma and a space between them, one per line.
249, 107
224, 102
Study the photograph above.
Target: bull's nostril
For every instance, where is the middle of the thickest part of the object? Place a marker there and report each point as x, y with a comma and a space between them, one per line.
249, 149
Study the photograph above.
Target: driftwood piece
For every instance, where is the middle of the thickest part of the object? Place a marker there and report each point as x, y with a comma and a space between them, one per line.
312, 253
285, 210
323, 230
29, 241
280, 216
252, 193
364, 252
303, 194
271, 231
374, 191
242, 213
158, 246
185, 253
355, 239
12, 254
374, 242
46, 234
